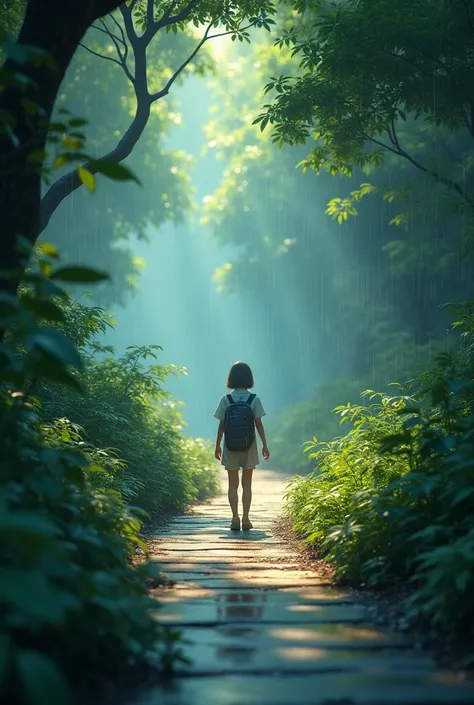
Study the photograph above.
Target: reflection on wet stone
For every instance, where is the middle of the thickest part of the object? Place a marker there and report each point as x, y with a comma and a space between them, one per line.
240, 604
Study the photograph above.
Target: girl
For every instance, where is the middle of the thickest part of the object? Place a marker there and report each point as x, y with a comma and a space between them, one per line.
240, 380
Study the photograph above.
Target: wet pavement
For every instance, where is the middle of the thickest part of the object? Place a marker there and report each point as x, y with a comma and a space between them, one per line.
261, 630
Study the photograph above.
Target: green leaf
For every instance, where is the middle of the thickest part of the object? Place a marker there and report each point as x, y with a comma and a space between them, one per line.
46, 249
71, 143
30, 593
79, 274
36, 156
41, 679
26, 524
48, 368
55, 344
44, 308
77, 122
114, 171
87, 178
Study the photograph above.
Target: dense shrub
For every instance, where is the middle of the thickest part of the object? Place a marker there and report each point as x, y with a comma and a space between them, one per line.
74, 609
127, 411
394, 498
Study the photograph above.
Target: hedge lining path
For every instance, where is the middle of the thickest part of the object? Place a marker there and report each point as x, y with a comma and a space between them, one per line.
262, 630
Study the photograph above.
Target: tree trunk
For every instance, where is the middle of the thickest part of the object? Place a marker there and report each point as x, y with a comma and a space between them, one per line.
56, 27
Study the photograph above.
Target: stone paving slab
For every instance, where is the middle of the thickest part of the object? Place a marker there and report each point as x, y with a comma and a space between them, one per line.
365, 688
325, 636
231, 659
261, 630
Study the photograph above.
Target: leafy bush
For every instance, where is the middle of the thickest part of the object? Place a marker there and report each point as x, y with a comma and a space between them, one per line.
126, 411
75, 611
394, 498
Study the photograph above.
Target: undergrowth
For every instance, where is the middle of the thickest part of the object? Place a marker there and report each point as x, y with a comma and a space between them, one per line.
393, 500
84, 435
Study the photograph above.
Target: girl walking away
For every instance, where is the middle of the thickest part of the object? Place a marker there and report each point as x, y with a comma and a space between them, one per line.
239, 413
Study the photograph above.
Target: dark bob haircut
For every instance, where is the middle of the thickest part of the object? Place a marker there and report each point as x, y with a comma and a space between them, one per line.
240, 376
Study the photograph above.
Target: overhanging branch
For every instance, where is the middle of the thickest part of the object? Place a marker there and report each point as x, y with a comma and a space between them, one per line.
167, 18
122, 54
400, 152
165, 90
70, 182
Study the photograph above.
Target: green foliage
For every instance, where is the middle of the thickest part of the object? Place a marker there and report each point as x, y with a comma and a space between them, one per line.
121, 80
126, 408
392, 499
348, 297
65, 546
75, 610
373, 79
11, 16
291, 429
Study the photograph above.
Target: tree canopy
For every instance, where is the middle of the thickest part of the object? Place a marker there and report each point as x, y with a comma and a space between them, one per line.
357, 294
31, 105
367, 72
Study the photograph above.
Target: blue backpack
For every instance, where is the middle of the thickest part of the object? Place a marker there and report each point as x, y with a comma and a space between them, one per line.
239, 424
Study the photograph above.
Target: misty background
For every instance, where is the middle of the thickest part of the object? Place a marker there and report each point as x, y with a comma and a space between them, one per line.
178, 305
229, 251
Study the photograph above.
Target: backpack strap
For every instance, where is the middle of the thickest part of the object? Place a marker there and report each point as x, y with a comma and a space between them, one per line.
250, 399
229, 397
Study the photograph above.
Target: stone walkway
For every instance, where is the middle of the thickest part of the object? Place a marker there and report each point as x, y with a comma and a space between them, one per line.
261, 630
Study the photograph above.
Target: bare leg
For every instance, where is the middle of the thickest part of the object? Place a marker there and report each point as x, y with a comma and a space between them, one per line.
246, 494
232, 494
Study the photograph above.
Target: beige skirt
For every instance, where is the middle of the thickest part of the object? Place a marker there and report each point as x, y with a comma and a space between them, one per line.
246, 459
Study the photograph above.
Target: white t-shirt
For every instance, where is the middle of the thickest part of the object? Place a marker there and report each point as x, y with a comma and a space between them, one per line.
239, 395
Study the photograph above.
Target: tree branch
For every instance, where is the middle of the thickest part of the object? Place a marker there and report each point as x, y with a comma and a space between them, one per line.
400, 152
165, 90
123, 56
127, 14
120, 28
150, 14
105, 31
167, 18
70, 182
101, 56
